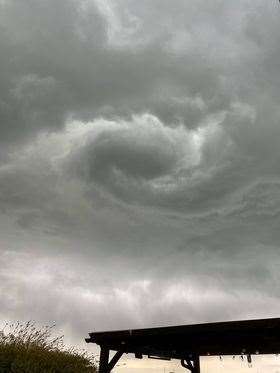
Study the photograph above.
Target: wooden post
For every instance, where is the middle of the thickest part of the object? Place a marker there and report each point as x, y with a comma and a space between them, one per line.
104, 360
196, 365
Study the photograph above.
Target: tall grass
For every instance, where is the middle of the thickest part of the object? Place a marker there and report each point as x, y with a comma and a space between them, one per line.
25, 348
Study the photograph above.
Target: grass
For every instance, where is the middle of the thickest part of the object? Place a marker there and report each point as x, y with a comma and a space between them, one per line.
24, 348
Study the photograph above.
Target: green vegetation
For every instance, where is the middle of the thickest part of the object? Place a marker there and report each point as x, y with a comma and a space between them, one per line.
26, 349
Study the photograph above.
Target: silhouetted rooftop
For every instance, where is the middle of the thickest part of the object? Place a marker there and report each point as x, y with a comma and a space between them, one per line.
220, 338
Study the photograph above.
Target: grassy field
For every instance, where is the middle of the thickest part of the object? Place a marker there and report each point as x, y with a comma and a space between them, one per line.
24, 348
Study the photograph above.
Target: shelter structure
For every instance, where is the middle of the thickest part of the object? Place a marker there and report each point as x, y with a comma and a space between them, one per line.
188, 343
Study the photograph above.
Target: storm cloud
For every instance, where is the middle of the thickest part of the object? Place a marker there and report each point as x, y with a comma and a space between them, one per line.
139, 162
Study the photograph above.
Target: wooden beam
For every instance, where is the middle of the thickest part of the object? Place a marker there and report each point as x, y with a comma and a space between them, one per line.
114, 360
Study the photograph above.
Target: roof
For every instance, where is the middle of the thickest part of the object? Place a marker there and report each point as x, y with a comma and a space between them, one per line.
220, 338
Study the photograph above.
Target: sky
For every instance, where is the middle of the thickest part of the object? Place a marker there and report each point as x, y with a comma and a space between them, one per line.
139, 162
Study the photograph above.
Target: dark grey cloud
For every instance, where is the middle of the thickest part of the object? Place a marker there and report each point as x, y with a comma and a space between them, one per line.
68, 55
139, 162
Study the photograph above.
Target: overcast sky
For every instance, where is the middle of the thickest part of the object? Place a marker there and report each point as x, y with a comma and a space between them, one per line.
139, 162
